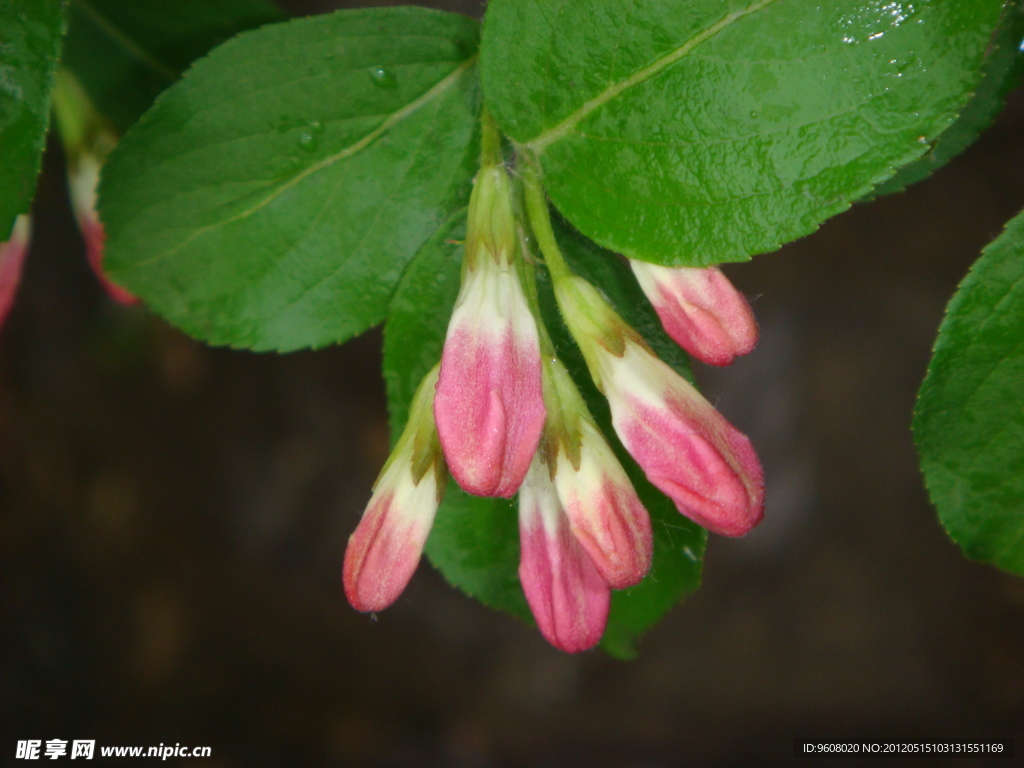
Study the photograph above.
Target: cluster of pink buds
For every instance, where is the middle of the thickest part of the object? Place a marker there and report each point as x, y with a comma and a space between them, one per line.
583, 530
684, 445
503, 415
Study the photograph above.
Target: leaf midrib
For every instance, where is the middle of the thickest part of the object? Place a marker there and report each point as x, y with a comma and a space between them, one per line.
568, 124
437, 90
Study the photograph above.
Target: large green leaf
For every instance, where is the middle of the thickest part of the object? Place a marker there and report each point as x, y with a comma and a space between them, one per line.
475, 541
969, 420
30, 36
125, 52
1004, 67
272, 198
701, 131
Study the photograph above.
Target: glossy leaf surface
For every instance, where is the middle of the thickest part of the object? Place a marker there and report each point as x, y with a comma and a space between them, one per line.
701, 131
1004, 67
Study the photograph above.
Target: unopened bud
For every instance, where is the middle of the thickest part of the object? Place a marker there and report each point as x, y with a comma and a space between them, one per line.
489, 407
564, 590
700, 309
385, 549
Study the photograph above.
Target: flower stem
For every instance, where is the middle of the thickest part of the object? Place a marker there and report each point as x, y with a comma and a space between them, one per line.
540, 220
490, 141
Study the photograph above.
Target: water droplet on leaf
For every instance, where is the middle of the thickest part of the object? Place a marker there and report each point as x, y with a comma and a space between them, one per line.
382, 77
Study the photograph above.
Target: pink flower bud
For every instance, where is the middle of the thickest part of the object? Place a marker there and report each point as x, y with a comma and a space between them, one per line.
607, 517
12, 261
83, 179
489, 407
385, 549
566, 594
700, 309
686, 448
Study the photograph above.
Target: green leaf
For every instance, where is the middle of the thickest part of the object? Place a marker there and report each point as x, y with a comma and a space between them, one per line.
272, 198
475, 545
701, 131
1001, 74
418, 316
30, 37
475, 541
969, 422
126, 52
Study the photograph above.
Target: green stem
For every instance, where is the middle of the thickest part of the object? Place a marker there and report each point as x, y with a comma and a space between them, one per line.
528, 273
490, 141
540, 220
79, 124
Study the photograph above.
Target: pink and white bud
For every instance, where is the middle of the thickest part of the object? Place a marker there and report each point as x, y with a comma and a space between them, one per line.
566, 594
685, 446
607, 517
12, 262
700, 309
489, 407
83, 180
385, 548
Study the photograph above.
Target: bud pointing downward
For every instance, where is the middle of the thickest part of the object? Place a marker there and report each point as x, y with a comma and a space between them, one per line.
700, 309
607, 517
566, 594
83, 179
685, 447
604, 511
385, 549
489, 408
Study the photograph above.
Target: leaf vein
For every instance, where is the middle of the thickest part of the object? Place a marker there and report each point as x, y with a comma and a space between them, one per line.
366, 232
553, 134
437, 90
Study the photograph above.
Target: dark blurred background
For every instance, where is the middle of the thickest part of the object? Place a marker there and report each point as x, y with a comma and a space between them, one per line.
173, 519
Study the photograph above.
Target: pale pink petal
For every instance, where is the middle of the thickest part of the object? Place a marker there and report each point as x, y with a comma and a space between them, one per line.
12, 262
686, 448
564, 590
700, 309
606, 515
